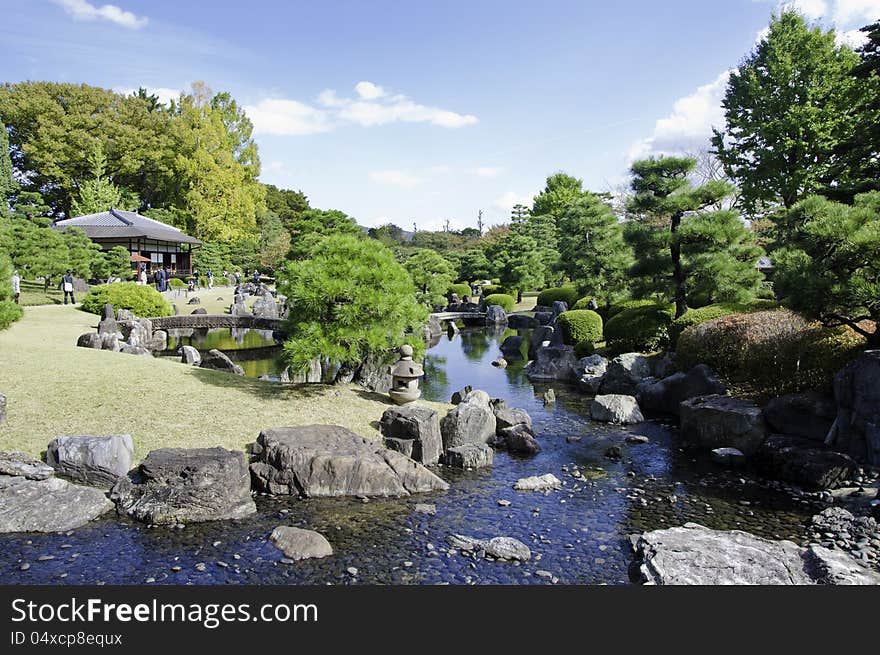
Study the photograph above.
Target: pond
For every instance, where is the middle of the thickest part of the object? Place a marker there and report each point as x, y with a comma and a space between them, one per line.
578, 535
258, 352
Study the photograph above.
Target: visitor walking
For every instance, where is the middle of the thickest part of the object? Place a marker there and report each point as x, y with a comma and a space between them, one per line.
237, 278
210, 279
47, 282
142, 277
256, 276
157, 279
168, 275
226, 277
67, 287
16, 286
196, 278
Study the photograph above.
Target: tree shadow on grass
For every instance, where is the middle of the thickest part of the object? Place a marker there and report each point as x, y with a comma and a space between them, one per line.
375, 396
262, 389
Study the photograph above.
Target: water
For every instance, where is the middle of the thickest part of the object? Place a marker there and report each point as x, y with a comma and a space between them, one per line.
258, 352
580, 535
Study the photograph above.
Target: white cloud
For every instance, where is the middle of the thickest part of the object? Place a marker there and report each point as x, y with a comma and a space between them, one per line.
84, 10
861, 12
371, 107
511, 198
396, 178
689, 126
812, 9
486, 171
853, 38
287, 118
165, 94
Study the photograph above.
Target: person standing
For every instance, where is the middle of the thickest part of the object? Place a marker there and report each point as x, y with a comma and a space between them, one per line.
256, 276
210, 279
16, 286
67, 287
142, 278
157, 279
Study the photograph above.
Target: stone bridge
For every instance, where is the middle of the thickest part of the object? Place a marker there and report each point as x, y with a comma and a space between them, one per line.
207, 321
460, 316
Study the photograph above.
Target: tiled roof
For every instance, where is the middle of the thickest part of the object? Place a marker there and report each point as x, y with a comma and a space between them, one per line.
117, 223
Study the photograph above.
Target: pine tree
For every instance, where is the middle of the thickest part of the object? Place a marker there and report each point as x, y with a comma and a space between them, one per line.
98, 193
8, 185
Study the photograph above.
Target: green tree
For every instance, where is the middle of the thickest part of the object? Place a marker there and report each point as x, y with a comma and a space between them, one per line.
831, 268
286, 204
312, 225
663, 198
97, 193
8, 186
592, 250
473, 265
115, 262
35, 250
274, 242
516, 260
560, 191
431, 274
786, 109
350, 299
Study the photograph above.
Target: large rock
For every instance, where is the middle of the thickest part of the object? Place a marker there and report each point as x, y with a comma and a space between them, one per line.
538, 483
552, 363
512, 345
616, 408
108, 326
199, 310
559, 307
125, 315
90, 340
695, 555
666, 395
266, 307
472, 421
807, 415
190, 355
183, 485
214, 359
93, 460
461, 394
418, 425
710, 422
540, 338
374, 372
469, 456
519, 439
137, 332
857, 392
159, 342
297, 544
544, 318
135, 350
522, 322
504, 548
329, 460
311, 374
23, 465
804, 462
507, 418
589, 372
495, 315
110, 341
47, 505
625, 372
432, 328
239, 309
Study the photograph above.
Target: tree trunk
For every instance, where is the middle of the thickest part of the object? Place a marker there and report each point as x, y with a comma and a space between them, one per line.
678, 274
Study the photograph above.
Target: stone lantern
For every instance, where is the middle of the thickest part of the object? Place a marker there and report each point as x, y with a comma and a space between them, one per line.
405, 376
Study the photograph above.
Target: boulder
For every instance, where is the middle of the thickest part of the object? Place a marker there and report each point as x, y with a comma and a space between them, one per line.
214, 359
110, 341
374, 373
159, 342
808, 415
460, 395
419, 426
548, 397
90, 340
22, 465
710, 422
727, 456
495, 315
472, 421
239, 309
94, 460
137, 332
108, 326
857, 392
195, 300
663, 365
107, 312
125, 315
538, 483
499, 362
469, 456
543, 318
804, 462
432, 328
183, 485
589, 372
616, 408
265, 307
508, 418
625, 372
135, 350
329, 460
519, 439
512, 346
503, 548
199, 310
665, 396
552, 363
539, 338
297, 544
312, 374
48, 505
695, 555
559, 307
190, 355
522, 322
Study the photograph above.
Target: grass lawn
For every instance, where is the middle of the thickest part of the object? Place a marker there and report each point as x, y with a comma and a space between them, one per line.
32, 293
214, 301
54, 388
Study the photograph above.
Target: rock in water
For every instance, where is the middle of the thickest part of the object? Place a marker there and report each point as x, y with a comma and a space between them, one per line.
419, 425
624, 373
329, 460
48, 505
695, 555
461, 394
728, 457
804, 462
710, 422
809, 415
552, 363
182, 485
507, 418
219, 361
95, 460
857, 391
615, 408
189, 355
666, 395
512, 345
538, 483
469, 456
495, 315
505, 548
590, 372
519, 439
23, 465
298, 544
472, 421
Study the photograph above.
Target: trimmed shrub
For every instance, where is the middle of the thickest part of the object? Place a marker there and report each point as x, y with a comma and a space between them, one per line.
584, 349
461, 289
627, 304
770, 353
177, 283
141, 300
491, 289
711, 312
642, 328
507, 303
584, 303
567, 294
9, 313
580, 325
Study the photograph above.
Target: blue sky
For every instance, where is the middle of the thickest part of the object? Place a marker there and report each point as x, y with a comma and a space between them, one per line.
422, 111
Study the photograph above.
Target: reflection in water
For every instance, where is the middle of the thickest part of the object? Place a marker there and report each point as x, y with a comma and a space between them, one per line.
258, 352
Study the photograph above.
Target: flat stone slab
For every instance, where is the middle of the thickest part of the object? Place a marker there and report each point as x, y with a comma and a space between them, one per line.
695, 555
538, 483
329, 460
48, 505
298, 544
505, 548
93, 460
23, 465
469, 456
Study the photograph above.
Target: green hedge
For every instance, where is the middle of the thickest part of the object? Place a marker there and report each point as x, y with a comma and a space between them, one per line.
711, 312
507, 303
9, 313
141, 300
584, 349
615, 309
177, 283
770, 352
642, 328
567, 294
461, 289
584, 303
579, 325
491, 289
